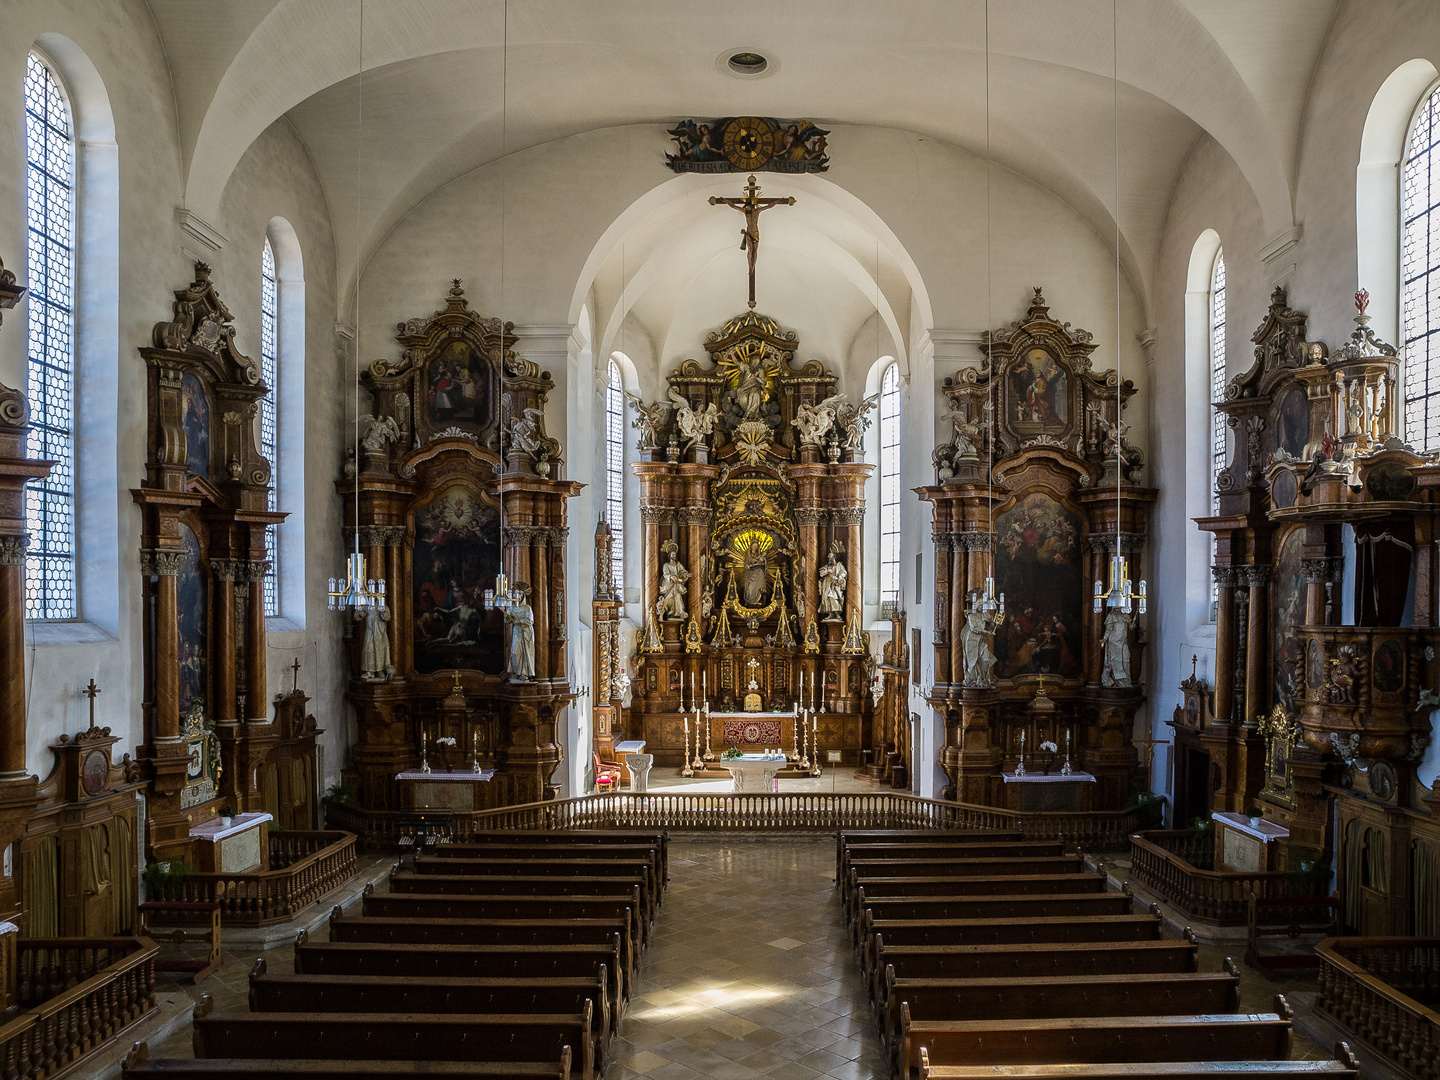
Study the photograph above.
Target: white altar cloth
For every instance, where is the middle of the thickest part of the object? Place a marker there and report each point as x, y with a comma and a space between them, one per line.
1055, 777
754, 772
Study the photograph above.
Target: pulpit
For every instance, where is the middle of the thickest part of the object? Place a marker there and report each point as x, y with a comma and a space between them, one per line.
242, 845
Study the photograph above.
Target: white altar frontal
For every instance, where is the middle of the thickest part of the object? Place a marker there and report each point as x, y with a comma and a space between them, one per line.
235, 848
754, 773
1053, 790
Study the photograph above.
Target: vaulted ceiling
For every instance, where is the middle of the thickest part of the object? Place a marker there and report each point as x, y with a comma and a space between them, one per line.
450, 85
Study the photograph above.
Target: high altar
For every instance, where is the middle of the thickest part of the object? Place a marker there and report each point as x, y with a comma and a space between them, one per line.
752, 499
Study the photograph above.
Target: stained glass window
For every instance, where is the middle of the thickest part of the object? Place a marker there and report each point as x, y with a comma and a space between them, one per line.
890, 485
50, 381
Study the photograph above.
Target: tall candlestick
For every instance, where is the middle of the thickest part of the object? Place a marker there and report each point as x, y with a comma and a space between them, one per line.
705, 685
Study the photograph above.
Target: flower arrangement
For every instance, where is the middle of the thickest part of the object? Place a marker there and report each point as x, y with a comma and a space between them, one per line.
1255, 814
1049, 746
446, 744
731, 753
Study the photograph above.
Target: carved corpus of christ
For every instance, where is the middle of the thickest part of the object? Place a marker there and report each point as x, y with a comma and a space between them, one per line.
751, 205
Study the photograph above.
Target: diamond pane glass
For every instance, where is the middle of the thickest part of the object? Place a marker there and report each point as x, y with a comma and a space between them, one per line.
890, 485
50, 378
269, 426
1218, 432
615, 473
1420, 277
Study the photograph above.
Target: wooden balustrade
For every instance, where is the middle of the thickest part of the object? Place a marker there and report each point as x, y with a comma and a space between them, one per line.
1382, 991
106, 985
1215, 896
1102, 830
305, 866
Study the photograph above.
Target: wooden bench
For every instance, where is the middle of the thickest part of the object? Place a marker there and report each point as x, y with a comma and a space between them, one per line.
556, 849
1026, 961
466, 962
380, 994
1059, 996
857, 838
1344, 1067
139, 1063
522, 885
869, 853
987, 907
1210, 1037
616, 869
374, 930
540, 1037
442, 906
658, 840
916, 884
1289, 917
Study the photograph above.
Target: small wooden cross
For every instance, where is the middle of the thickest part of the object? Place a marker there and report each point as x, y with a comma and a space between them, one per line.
1150, 745
295, 671
90, 692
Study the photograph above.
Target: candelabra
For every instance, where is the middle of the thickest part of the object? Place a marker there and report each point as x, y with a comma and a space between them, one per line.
475, 751
688, 769
802, 756
814, 745
708, 755
424, 765
1020, 768
1065, 769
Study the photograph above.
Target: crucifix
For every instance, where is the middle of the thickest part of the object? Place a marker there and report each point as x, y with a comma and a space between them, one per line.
1149, 745
295, 672
90, 692
752, 665
751, 205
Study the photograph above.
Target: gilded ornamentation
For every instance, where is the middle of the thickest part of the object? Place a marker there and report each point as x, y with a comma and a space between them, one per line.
748, 144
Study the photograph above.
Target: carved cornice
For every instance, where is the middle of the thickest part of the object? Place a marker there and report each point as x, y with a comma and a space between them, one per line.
1130, 543
154, 563
1254, 577
12, 549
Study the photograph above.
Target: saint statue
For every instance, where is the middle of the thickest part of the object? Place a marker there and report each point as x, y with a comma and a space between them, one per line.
833, 579
753, 578
672, 589
751, 391
975, 643
375, 653
520, 633
1116, 641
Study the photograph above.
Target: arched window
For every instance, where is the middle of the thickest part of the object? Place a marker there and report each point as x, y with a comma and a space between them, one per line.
890, 485
615, 473
50, 591
1420, 275
269, 427
1218, 434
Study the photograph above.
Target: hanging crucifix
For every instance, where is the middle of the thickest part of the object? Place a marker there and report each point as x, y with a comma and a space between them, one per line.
751, 206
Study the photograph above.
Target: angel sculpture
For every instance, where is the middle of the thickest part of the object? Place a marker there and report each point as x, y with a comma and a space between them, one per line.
815, 421
525, 431
1113, 442
854, 421
966, 432
649, 420
695, 424
378, 432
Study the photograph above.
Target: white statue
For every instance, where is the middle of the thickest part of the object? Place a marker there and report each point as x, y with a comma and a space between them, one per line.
833, 578
672, 589
378, 432
525, 432
1116, 641
695, 426
965, 433
520, 627
649, 420
814, 422
854, 420
375, 653
975, 643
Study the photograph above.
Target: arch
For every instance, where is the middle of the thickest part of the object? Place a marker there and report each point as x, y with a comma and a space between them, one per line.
1377, 189
288, 485
1199, 483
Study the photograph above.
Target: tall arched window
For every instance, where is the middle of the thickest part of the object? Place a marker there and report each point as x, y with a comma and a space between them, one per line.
890, 485
1420, 276
1218, 433
269, 426
50, 591
615, 473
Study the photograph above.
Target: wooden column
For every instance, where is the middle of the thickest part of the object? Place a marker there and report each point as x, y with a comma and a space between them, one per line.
12, 656
165, 567
943, 599
696, 521
1316, 572
651, 517
959, 583
1224, 644
851, 517
256, 698
538, 555
810, 519
1257, 642
225, 652
555, 552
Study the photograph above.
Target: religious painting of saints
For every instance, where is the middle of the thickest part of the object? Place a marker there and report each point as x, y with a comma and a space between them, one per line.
1038, 567
1287, 599
1293, 423
457, 389
190, 618
457, 555
1315, 671
1389, 667
1039, 395
195, 420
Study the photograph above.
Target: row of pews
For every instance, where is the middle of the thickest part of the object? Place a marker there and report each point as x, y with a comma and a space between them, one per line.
987, 955
509, 956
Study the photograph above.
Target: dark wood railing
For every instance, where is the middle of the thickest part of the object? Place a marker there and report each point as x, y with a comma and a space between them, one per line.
1383, 991
79, 994
1160, 861
1103, 830
304, 867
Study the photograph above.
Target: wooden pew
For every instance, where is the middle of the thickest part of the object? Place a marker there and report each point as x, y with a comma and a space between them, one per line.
138, 1063
659, 840
466, 962
906, 850
1213, 1037
856, 838
1026, 961
521, 885
556, 849
622, 869
403, 1036
987, 907
443, 906
1344, 1067
1052, 997
535, 932
381, 994
917, 883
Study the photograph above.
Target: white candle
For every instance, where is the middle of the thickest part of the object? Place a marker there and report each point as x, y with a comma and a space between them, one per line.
705, 686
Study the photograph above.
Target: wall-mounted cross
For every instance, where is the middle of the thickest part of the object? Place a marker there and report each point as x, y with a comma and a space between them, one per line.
295, 672
90, 692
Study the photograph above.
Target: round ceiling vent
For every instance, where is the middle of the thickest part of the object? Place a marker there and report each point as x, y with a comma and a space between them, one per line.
745, 63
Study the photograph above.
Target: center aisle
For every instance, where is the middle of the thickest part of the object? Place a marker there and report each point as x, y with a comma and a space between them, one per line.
749, 973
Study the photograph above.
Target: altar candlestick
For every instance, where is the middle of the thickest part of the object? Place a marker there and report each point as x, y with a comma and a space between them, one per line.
705, 685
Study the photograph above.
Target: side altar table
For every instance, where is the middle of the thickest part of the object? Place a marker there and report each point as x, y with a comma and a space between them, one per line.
1038, 791
458, 790
242, 845
754, 773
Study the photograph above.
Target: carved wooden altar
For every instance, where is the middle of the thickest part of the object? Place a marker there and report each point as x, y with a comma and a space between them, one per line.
752, 497
204, 512
457, 429
1044, 520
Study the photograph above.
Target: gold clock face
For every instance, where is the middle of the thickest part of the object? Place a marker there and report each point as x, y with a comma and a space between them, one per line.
749, 142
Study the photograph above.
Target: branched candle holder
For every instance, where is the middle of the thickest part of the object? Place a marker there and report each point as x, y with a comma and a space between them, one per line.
685, 767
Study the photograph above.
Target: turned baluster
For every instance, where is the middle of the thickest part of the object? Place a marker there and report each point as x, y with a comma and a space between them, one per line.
80, 1030
26, 1060
13, 1050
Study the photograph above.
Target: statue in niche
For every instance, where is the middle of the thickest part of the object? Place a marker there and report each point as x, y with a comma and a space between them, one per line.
753, 576
649, 420
520, 633
751, 392
833, 579
695, 425
1116, 641
375, 662
975, 642
672, 587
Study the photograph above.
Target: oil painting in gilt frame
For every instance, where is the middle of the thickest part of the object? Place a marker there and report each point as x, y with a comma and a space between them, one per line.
457, 389
1038, 567
1039, 396
457, 555
195, 419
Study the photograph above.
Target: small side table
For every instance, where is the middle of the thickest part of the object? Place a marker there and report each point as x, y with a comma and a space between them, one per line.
179, 935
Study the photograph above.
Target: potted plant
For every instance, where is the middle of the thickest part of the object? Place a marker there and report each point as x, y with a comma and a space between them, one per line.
731, 753
446, 745
227, 815
163, 879
1256, 815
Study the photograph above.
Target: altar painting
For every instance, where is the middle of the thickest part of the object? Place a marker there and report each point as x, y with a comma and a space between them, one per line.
1289, 606
457, 389
195, 420
1038, 568
457, 555
1039, 395
190, 619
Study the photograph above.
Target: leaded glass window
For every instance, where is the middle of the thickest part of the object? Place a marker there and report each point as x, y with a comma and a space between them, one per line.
269, 426
1420, 277
615, 473
890, 485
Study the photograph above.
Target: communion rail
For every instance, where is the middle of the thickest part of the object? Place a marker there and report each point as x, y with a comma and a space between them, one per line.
1370, 985
1099, 830
304, 867
1161, 861
79, 994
